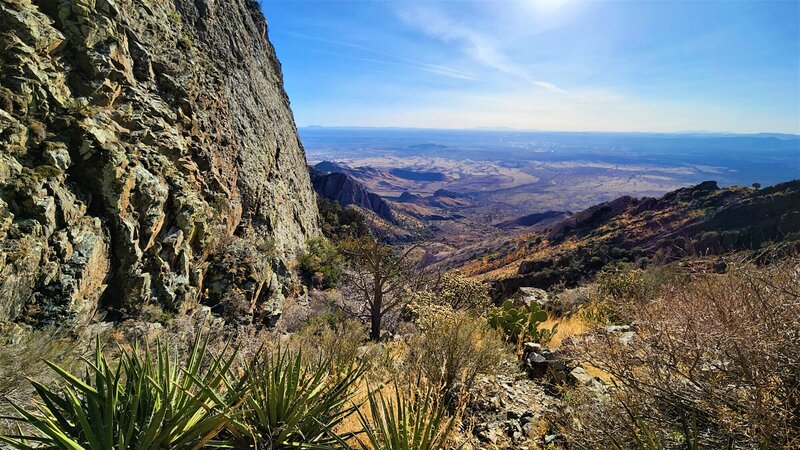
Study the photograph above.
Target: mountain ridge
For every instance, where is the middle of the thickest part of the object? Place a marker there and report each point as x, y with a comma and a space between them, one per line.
344, 189
702, 220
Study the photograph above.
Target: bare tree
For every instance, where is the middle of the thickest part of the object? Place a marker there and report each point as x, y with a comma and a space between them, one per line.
381, 279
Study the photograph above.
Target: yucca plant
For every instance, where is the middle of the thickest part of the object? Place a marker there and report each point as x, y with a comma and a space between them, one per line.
290, 404
149, 401
414, 421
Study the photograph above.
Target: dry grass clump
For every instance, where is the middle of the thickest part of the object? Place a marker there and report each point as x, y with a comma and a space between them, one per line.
568, 326
22, 354
452, 348
338, 340
716, 364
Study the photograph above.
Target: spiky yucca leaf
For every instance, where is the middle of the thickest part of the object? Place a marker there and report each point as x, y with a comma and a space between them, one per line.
288, 404
411, 421
151, 400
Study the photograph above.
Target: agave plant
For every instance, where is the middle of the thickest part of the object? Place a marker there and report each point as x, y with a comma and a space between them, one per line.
289, 404
415, 421
149, 401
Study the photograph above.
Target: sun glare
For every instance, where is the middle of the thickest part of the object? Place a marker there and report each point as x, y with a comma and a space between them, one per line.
546, 6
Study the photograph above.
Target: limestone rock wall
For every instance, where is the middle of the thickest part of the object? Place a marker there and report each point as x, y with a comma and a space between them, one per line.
140, 140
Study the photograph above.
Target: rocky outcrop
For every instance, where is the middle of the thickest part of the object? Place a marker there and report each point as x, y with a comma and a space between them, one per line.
408, 197
449, 194
328, 167
345, 190
592, 217
509, 412
139, 139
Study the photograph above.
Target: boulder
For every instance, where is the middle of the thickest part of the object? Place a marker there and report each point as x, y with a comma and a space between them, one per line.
545, 364
623, 333
530, 295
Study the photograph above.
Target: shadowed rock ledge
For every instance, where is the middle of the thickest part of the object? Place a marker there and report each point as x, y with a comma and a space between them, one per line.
140, 140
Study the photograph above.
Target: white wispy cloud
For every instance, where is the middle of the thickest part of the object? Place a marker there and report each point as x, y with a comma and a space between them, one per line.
474, 43
388, 58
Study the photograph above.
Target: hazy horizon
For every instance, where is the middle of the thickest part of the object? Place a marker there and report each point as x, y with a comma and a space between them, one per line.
534, 130
731, 159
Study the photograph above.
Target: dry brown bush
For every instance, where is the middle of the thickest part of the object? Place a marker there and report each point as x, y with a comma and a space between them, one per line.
336, 341
457, 291
453, 347
716, 364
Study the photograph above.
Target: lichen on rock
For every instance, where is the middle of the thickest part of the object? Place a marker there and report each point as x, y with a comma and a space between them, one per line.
138, 139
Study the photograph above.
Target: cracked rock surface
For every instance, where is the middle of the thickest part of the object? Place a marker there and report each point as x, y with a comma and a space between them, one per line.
139, 141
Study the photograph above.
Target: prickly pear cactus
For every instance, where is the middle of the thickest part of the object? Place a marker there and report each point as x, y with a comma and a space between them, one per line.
521, 324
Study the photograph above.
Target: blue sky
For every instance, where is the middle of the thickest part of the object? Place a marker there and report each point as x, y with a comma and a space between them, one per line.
542, 64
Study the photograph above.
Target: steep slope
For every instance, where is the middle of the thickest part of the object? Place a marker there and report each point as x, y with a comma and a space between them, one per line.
143, 141
345, 190
696, 221
533, 222
376, 180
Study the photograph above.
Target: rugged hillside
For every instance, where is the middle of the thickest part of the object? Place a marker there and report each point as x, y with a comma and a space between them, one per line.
147, 152
392, 221
345, 190
379, 181
534, 222
698, 221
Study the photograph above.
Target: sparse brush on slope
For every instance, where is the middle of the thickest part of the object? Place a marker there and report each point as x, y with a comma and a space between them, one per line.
321, 265
453, 349
151, 400
714, 365
459, 292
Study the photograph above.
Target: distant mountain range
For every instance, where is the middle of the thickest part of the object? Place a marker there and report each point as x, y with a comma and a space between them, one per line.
709, 133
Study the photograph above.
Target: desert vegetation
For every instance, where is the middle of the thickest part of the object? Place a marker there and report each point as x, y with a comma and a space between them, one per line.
150, 396
174, 274
684, 355
714, 363
336, 381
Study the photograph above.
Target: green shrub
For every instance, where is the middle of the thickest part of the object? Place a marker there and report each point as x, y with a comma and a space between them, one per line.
521, 324
614, 291
414, 420
340, 223
151, 400
638, 285
621, 285
322, 264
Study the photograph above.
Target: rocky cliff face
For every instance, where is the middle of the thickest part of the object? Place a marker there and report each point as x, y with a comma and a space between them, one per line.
142, 143
345, 190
